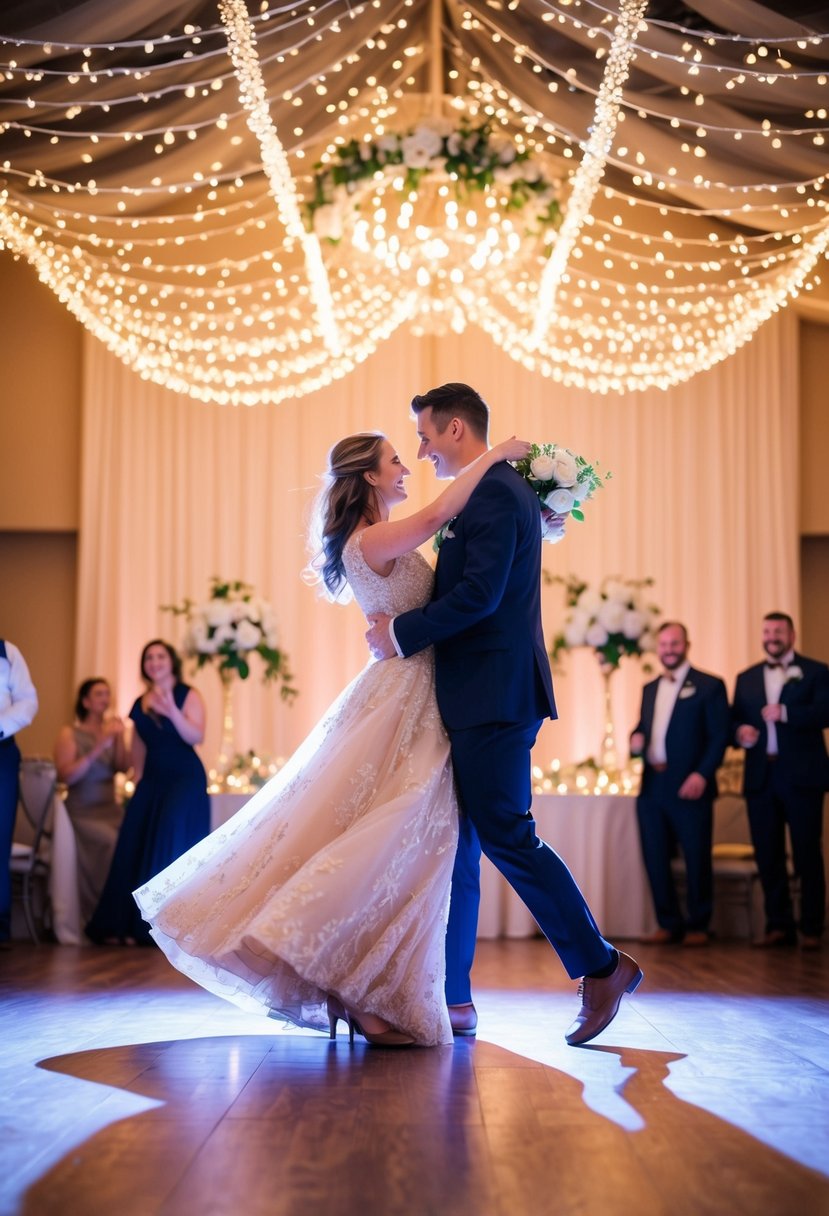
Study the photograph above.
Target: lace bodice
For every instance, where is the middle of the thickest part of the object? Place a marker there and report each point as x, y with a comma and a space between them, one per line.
408, 586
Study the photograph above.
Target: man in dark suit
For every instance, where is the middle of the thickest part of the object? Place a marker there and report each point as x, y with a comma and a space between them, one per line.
780, 710
494, 689
682, 734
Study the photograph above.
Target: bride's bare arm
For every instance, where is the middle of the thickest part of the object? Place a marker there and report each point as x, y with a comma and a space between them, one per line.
386, 540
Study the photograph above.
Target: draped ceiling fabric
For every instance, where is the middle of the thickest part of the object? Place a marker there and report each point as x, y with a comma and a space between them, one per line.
136, 177
703, 499
132, 181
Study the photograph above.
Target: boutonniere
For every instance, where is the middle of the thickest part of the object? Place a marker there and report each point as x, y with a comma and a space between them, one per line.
443, 533
687, 690
793, 673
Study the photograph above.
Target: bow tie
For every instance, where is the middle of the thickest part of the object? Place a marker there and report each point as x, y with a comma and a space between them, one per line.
772, 666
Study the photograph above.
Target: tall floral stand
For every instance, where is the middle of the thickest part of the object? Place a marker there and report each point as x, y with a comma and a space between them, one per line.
227, 750
608, 757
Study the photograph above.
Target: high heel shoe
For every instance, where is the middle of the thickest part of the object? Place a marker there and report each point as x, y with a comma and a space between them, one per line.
377, 1038
337, 1011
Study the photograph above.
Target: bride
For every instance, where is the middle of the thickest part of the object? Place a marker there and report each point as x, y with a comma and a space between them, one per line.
326, 896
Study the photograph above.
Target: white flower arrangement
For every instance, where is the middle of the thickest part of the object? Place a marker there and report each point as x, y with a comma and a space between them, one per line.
616, 621
230, 626
472, 156
562, 481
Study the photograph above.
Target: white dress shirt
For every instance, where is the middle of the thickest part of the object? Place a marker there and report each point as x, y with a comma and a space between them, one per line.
774, 678
18, 698
667, 692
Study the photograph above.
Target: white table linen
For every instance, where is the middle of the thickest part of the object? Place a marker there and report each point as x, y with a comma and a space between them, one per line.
596, 835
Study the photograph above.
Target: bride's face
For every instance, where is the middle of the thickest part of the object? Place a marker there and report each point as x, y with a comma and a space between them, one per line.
387, 478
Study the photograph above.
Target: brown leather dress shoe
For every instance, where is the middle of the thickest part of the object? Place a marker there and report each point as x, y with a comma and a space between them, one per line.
661, 937
696, 937
773, 939
600, 1000
464, 1019
807, 942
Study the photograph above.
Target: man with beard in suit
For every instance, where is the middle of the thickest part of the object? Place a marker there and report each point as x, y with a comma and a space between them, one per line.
780, 710
682, 734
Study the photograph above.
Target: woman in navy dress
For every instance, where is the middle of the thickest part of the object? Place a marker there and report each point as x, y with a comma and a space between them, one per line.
170, 809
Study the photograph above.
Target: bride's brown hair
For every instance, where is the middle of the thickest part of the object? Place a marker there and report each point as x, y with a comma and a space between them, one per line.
346, 501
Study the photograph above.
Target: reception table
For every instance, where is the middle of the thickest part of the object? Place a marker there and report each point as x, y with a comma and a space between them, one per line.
596, 835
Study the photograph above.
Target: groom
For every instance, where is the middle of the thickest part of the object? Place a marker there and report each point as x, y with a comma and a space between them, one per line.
494, 690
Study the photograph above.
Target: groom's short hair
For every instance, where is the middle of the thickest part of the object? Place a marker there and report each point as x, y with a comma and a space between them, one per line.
455, 400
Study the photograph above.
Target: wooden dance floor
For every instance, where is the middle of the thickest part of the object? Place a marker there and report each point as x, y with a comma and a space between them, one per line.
127, 1091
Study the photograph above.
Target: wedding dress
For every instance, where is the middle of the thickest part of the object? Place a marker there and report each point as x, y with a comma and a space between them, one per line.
335, 876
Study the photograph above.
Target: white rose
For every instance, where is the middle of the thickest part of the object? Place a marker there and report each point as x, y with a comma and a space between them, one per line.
560, 501
419, 147
542, 468
616, 590
565, 469
575, 631
596, 635
583, 490
388, 143
633, 626
611, 614
248, 635
589, 600
328, 222
504, 149
530, 171
506, 174
219, 612
453, 144
225, 633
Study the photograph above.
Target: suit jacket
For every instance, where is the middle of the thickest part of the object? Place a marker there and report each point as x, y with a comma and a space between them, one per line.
800, 744
484, 619
698, 731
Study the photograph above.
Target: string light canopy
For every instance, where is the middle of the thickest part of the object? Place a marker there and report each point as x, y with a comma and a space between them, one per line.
244, 206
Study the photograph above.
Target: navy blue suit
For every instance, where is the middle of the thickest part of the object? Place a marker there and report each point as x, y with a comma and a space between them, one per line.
695, 742
788, 790
494, 689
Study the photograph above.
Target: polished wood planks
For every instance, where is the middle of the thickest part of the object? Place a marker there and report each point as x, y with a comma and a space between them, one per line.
128, 1090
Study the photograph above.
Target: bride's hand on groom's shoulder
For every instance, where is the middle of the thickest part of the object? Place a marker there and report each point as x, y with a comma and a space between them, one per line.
378, 636
513, 449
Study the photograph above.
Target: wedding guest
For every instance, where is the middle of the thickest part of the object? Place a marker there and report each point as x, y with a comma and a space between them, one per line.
780, 711
170, 809
88, 754
682, 735
18, 706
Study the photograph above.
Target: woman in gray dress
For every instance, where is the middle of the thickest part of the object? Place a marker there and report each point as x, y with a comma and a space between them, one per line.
88, 754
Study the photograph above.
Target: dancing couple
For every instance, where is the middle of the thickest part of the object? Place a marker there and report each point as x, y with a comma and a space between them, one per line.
327, 897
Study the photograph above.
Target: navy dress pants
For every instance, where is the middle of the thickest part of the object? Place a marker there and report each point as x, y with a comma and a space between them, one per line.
492, 776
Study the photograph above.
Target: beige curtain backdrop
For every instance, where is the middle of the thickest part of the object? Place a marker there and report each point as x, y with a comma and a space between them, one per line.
703, 498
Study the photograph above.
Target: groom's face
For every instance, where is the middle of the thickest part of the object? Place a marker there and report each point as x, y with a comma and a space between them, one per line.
438, 447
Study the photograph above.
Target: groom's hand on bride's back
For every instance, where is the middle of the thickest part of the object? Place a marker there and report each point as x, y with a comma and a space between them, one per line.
378, 637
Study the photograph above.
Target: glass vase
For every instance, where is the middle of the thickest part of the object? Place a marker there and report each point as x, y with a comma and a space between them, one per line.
227, 749
608, 755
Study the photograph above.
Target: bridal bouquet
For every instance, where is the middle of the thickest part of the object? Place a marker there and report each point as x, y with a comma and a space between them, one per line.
616, 620
563, 482
229, 627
